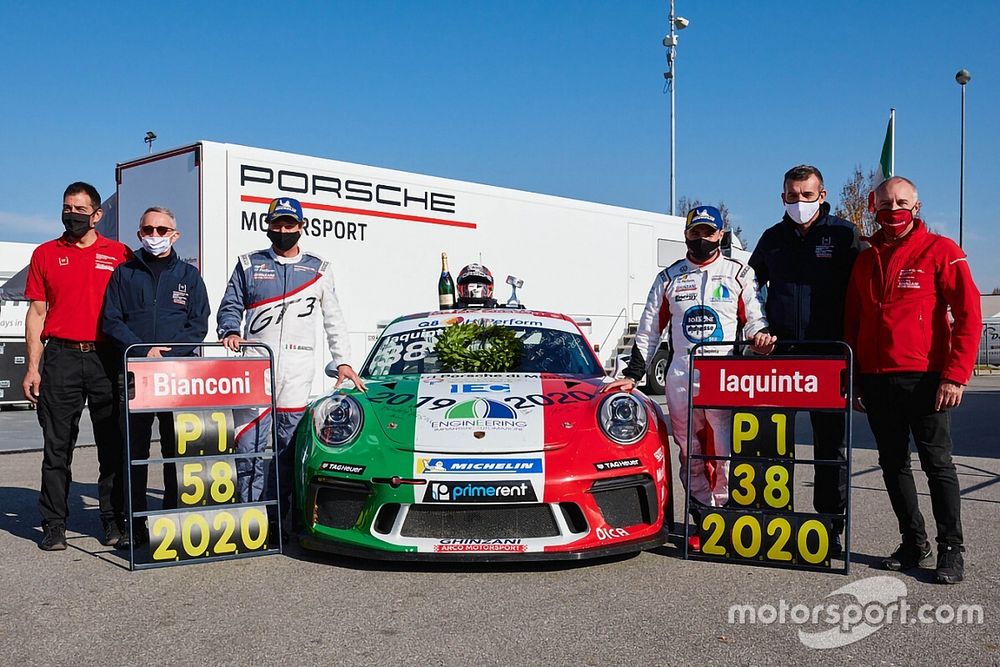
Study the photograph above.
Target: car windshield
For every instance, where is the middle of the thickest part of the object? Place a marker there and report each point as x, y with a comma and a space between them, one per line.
543, 351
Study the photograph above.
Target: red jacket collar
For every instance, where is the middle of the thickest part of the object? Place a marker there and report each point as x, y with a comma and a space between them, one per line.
880, 242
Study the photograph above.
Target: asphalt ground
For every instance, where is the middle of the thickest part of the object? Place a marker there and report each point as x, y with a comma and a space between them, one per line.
82, 606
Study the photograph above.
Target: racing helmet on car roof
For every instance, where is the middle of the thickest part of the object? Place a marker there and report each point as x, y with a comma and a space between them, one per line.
475, 287
475, 281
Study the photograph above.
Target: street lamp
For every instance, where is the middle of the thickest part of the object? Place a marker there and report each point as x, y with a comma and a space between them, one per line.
670, 41
150, 138
963, 77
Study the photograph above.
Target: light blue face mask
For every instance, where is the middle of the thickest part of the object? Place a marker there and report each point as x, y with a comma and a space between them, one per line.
155, 245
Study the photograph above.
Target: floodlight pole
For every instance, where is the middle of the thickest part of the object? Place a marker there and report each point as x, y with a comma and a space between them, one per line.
963, 77
672, 60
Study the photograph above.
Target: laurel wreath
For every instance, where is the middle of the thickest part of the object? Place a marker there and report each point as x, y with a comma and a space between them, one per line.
472, 347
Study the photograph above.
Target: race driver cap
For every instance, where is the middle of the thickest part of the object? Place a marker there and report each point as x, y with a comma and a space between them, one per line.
284, 207
705, 215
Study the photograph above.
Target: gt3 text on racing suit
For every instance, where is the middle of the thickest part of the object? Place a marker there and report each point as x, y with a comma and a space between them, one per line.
282, 292
702, 298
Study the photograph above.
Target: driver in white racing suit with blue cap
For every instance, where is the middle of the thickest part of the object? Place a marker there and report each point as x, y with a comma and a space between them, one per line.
702, 298
276, 296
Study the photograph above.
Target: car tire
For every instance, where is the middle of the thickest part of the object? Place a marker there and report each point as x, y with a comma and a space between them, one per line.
657, 377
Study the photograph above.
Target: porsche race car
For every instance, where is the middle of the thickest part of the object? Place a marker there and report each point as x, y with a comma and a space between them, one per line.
535, 463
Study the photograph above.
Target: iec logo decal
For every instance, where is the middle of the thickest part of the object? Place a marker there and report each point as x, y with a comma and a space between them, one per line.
480, 408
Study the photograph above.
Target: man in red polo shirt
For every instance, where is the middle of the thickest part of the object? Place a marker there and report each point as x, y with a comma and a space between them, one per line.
66, 285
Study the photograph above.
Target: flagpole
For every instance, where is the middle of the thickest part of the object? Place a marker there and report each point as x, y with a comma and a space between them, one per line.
892, 158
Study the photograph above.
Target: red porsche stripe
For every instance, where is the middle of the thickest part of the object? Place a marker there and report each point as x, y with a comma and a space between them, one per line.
361, 211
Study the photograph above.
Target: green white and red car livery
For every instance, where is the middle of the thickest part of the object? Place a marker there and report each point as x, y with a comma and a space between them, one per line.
535, 463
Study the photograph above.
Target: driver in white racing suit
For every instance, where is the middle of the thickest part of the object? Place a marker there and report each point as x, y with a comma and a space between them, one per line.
280, 293
702, 298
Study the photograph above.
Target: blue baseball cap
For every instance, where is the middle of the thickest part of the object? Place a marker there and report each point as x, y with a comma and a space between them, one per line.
705, 215
284, 207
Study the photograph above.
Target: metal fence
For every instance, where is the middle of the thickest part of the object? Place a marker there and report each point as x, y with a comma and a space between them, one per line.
988, 360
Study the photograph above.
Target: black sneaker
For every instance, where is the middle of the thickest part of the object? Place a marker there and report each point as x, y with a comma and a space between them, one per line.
54, 537
112, 532
141, 538
836, 546
907, 557
950, 564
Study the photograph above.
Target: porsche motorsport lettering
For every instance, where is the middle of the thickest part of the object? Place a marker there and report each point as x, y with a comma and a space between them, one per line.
350, 189
342, 230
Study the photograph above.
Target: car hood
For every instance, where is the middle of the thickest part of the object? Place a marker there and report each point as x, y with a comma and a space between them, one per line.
482, 413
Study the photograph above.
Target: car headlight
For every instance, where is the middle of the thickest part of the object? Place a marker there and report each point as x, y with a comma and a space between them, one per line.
337, 420
623, 418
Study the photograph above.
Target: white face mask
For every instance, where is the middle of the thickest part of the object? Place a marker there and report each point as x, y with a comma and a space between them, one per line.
155, 245
802, 212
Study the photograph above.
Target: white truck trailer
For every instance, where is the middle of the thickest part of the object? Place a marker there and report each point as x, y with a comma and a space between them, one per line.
384, 232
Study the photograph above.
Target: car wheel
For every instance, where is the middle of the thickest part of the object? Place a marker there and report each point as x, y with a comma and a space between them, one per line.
656, 380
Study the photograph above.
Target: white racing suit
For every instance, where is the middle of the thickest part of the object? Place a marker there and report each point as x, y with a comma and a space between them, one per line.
693, 303
282, 300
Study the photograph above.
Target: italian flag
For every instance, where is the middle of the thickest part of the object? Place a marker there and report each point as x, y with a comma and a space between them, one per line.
887, 161
889, 147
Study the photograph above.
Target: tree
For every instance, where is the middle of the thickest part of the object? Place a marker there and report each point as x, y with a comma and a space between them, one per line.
685, 204
854, 200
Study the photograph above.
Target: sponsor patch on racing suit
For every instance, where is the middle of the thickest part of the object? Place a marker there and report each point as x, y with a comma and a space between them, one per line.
693, 303
278, 301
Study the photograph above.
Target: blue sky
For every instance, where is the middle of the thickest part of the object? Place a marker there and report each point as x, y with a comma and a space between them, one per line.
564, 98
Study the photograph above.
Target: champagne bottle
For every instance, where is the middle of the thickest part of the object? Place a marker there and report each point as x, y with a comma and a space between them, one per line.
446, 286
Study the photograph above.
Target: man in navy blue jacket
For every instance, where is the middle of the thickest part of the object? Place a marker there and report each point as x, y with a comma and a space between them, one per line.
805, 262
153, 298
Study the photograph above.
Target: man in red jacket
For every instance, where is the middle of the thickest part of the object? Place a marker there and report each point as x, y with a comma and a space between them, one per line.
914, 365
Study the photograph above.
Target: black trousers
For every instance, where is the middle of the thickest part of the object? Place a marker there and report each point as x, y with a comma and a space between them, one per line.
71, 378
829, 444
898, 405
830, 481
141, 431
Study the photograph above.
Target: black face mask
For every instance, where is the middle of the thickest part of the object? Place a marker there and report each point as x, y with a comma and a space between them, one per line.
284, 240
76, 224
701, 249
